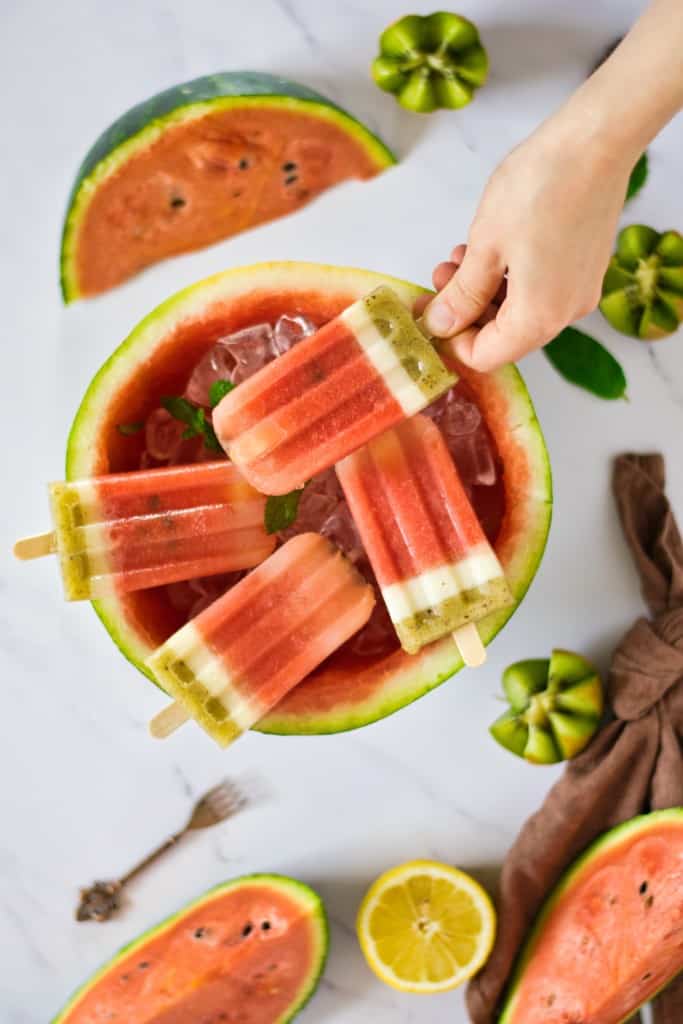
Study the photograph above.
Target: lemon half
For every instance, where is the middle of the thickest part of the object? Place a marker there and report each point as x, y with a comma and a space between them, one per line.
426, 927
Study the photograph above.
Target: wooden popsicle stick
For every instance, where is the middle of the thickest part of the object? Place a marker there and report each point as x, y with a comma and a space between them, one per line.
468, 641
36, 547
167, 721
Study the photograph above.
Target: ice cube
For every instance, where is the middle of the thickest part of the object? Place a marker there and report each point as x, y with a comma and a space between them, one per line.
217, 364
289, 330
251, 348
163, 435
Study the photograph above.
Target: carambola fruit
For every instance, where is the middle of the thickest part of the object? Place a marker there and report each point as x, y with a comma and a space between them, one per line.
556, 705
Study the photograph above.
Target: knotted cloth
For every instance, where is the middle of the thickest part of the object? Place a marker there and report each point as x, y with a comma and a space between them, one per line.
634, 764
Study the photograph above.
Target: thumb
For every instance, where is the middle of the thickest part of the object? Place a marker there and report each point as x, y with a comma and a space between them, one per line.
466, 296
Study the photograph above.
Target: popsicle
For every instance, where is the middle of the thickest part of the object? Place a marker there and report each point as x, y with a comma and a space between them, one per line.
130, 531
235, 660
361, 373
436, 570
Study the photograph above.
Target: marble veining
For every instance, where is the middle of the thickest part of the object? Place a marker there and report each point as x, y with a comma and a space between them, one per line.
85, 792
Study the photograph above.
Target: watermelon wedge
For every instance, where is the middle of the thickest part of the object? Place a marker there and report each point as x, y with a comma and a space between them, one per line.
350, 689
611, 934
200, 162
250, 950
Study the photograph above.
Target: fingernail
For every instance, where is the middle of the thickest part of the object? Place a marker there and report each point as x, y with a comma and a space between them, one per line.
439, 318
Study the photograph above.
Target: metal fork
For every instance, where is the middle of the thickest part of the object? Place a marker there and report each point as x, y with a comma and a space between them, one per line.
101, 900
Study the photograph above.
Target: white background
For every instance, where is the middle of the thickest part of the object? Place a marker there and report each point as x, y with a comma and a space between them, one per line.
84, 791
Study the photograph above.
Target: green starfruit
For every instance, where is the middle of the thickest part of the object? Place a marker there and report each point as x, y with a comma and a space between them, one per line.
431, 61
642, 292
556, 705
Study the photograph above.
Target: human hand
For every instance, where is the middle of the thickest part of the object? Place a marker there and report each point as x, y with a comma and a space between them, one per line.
538, 247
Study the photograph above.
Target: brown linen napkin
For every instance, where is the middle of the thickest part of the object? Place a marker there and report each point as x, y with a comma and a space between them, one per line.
635, 764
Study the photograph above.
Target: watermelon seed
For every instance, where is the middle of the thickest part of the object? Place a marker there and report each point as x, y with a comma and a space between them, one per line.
289, 167
643, 888
649, 901
199, 933
646, 976
265, 926
247, 930
243, 164
237, 194
177, 201
290, 179
143, 965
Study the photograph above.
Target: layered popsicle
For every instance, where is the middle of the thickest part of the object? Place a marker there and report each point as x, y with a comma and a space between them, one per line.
235, 660
130, 531
435, 567
361, 373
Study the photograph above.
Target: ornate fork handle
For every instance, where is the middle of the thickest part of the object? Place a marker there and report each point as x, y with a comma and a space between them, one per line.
101, 900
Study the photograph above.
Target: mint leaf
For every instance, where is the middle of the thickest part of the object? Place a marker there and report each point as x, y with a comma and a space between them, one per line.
129, 428
585, 362
281, 510
186, 412
194, 417
638, 177
218, 390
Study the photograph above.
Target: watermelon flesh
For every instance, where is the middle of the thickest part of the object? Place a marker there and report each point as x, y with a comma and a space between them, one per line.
612, 935
250, 951
200, 162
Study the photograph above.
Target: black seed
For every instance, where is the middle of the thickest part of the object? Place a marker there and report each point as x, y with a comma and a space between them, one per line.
243, 164
643, 888
199, 933
178, 201
247, 930
290, 179
289, 166
647, 976
649, 900
265, 926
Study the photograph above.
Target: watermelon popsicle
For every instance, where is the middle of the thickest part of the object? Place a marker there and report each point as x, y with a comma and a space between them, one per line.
130, 531
437, 571
235, 660
358, 375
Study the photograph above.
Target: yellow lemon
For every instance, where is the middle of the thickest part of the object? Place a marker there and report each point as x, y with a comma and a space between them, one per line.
426, 927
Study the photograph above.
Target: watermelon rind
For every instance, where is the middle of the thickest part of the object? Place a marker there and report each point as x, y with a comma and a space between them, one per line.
143, 124
626, 831
521, 556
299, 892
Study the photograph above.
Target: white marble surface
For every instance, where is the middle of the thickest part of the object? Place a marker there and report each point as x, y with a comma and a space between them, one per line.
84, 791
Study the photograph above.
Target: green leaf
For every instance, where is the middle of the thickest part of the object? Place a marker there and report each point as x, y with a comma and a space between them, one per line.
194, 417
585, 362
181, 409
281, 510
129, 428
638, 177
218, 390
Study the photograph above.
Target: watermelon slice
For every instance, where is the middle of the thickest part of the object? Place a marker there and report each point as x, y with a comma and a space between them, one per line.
200, 162
250, 950
350, 689
611, 934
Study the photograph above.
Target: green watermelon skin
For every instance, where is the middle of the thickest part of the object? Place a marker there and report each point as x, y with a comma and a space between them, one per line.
141, 123
123, 964
557, 990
